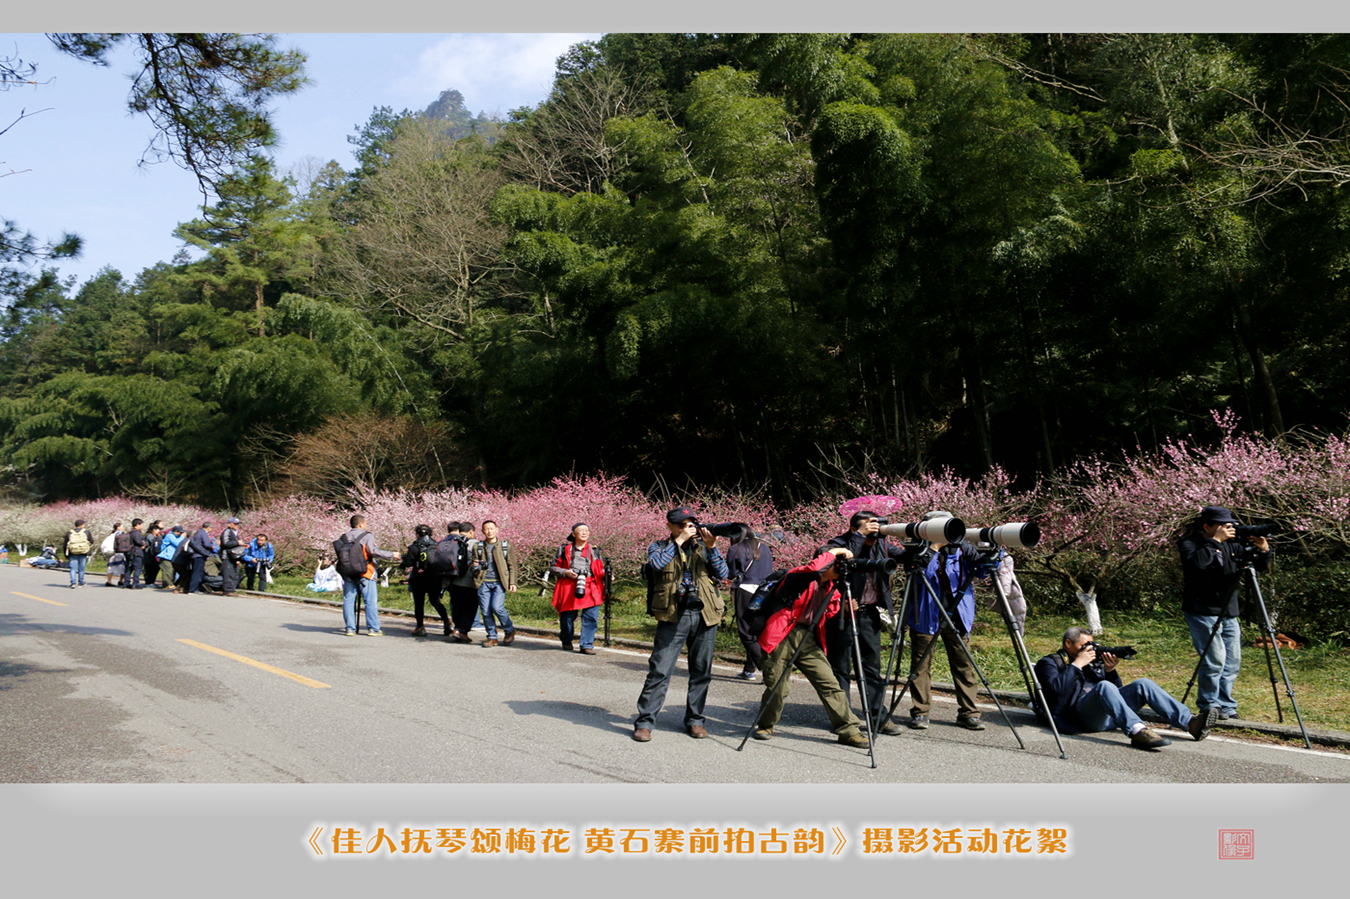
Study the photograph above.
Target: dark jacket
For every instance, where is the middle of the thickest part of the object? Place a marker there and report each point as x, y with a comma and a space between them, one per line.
202, 544
1063, 684
1211, 578
857, 544
137, 542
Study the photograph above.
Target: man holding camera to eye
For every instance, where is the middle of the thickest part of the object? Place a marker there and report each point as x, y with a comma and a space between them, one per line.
1086, 695
870, 591
688, 609
1211, 570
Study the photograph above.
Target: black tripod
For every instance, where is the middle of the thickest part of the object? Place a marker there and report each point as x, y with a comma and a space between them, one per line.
1254, 592
898, 644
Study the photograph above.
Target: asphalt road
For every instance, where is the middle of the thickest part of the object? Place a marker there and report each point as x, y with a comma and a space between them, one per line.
110, 686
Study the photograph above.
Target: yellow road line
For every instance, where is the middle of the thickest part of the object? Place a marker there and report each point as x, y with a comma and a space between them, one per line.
298, 678
38, 598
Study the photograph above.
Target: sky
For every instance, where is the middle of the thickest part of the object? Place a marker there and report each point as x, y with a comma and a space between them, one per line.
71, 164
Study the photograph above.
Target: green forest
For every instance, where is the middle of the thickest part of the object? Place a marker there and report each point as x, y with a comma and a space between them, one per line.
755, 261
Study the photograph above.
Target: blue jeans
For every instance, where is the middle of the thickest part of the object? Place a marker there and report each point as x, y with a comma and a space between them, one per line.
368, 596
590, 622
77, 564
1219, 669
670, 637
1108, 706
492, 603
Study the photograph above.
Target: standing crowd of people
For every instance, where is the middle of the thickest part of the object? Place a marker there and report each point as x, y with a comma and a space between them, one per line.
800, 618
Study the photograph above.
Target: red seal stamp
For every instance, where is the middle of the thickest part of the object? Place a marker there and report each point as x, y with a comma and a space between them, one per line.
1237, 844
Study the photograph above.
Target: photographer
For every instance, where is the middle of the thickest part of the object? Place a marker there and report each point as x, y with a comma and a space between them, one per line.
871, 593
687, 608
1211, 570
580, 569
1086, 695
750, 562
950, 570
804, 601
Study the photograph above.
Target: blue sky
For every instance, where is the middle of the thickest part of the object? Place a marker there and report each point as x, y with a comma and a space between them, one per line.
71, 164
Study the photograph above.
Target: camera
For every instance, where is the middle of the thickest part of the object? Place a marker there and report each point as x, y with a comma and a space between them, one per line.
686, 596
580, 589
934, 530
1018, 535
866, 566
1247, 531
730, 529
1098, 665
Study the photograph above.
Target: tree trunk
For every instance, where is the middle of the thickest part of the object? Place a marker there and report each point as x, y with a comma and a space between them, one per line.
1273, 424
1089, 601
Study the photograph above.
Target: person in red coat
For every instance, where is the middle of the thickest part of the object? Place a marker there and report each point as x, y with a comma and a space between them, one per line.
809, 599
580, 570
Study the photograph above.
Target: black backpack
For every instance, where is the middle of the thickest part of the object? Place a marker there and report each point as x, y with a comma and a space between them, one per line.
418, 556
122, 542
766, 602
449, 557
352, 561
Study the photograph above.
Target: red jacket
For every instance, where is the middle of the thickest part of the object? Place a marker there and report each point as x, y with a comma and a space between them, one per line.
781, 623
564, 592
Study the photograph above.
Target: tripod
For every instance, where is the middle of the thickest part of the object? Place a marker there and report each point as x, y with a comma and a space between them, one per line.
1253, 589
897, 646
1024, 662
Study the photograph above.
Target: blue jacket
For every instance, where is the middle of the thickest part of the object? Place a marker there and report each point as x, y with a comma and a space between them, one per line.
255, 553
961, 574
168, 546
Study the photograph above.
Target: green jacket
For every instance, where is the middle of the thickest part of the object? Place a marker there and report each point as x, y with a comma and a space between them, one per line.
704, 564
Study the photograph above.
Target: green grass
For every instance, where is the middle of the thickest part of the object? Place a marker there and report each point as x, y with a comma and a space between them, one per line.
1319, 674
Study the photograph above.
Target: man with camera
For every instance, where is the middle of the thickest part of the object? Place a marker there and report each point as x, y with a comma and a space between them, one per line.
1086, 695
1211, 570
869, 584
794, 633
949, 570
688, 609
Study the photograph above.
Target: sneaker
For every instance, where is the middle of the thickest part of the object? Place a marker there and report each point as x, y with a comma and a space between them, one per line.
419, 631
971, 722
918, 722
890, 729
491, 641
374, 633
72, 586
763, 733
855, 739
1201, 722
747, 675
1149, 739
349, 633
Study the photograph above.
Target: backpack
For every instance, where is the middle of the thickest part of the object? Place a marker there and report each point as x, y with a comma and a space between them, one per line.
449, 557
418, 556
766, 602
77, 543
352, 561
122, 542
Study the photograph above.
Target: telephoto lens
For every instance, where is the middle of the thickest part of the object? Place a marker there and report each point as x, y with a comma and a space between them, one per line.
1019, 535
580, 589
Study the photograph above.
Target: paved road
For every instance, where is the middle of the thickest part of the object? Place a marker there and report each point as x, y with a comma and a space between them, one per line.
104, 685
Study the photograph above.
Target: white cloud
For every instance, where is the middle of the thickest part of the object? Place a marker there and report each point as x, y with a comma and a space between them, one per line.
494, 72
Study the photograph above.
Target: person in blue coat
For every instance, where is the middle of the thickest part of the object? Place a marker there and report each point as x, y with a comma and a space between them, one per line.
258, 558
168, 550
949, 568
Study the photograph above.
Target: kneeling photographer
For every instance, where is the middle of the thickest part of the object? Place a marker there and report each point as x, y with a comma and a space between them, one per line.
1212, 559
1086, 695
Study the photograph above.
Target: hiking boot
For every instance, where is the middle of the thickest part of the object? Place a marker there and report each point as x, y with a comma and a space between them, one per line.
763, 733
970, 722
491, 641
419, 631
1201, 722
918, 722
890, 729
855, 739
509, 638
1148, 739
